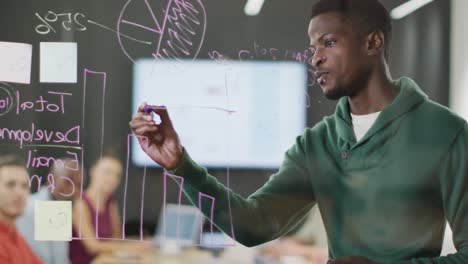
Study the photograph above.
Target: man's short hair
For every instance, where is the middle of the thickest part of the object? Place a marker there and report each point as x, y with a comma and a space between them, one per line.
366, 15
11, 160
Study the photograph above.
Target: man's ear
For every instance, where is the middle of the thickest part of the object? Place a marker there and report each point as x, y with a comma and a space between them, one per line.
375, 43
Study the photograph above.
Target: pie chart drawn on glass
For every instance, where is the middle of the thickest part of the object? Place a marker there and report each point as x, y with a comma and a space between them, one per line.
172, 29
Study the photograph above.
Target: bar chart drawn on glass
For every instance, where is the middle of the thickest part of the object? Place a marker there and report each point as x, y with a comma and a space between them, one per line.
11, 95
178, 33
175, 28
179, 181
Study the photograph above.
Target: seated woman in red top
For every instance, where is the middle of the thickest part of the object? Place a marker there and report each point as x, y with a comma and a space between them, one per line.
98, 201
14, 191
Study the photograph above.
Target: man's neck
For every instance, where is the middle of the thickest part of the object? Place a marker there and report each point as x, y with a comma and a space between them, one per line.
378, 93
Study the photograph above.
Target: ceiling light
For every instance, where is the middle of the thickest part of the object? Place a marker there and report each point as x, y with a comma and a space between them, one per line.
408, 8
253, 7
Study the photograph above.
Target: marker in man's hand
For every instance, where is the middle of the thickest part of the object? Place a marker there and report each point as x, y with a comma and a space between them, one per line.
147, 109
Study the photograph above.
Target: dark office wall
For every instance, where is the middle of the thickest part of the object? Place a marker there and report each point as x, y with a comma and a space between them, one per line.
419, 50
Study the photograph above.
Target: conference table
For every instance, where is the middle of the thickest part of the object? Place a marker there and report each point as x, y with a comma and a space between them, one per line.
237, 254
231, 255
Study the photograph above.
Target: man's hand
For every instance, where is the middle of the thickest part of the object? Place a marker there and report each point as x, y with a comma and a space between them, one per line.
159, 141
352, 260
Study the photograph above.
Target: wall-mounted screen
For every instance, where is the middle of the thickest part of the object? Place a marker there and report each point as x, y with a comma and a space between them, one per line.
235, 114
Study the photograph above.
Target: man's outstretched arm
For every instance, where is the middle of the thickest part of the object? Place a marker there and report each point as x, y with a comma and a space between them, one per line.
265, 215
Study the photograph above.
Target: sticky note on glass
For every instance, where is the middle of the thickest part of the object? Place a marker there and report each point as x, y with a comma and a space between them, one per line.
15, 62
53, 220
58, 62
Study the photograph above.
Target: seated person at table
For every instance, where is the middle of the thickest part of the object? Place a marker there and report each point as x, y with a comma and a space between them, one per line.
63, 183
98, 202
310, 241
14, 192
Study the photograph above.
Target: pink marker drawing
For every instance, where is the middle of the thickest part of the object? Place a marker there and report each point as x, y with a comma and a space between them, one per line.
176, 32
179, 200
124, 209
103, 75
148, 109
6, 98
212, 200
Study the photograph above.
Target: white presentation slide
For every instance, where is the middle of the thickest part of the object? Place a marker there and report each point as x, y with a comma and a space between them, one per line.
237, 114
59, 62
15, 62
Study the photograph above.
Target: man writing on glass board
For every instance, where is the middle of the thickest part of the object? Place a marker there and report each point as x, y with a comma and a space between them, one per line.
386, 170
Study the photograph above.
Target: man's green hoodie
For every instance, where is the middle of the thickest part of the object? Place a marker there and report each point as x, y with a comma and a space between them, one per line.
386, 197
